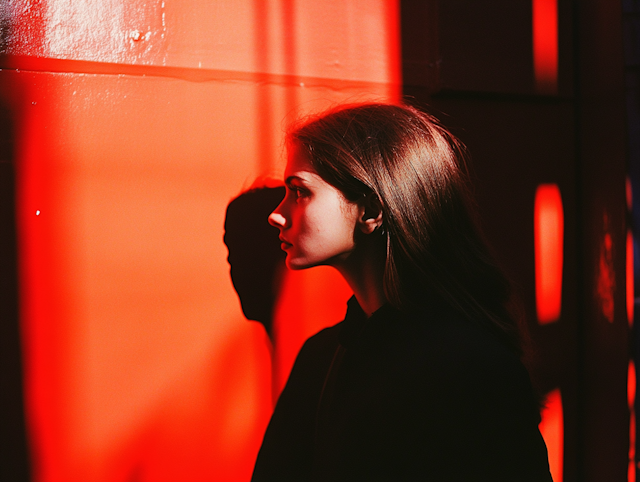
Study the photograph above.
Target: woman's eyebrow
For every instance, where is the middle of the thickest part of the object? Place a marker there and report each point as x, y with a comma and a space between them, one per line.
290, 179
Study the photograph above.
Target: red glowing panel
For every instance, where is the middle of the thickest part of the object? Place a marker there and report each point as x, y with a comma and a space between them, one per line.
629, 273
631, 397
545, 45
551, 428
631, 384
548, 233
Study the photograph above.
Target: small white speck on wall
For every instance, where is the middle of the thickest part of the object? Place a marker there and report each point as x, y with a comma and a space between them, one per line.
37, 212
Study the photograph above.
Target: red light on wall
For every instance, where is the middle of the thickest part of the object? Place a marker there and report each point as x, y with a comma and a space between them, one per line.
545, 45
551, 428
548, 236
309, 301
392, 16
631, 398
629, 270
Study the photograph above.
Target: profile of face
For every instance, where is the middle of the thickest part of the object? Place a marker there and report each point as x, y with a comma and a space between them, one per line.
317, 223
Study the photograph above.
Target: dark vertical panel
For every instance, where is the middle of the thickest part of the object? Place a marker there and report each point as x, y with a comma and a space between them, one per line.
419, 39
515, 145
601, 177
491, 48
517, 141
483, 91
566, 68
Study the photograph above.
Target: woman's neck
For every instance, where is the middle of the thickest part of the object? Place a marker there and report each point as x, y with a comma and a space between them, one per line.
364, 272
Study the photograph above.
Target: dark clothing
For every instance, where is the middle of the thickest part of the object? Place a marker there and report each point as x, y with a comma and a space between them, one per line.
396, 398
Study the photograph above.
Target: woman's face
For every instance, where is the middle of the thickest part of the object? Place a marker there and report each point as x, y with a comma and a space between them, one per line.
316, 222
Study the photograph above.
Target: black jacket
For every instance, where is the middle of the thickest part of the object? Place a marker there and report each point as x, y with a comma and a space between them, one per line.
396, 398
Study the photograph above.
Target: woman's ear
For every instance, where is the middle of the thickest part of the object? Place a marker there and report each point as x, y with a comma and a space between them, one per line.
370, 214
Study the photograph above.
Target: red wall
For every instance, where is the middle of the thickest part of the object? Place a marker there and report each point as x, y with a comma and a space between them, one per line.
136, 123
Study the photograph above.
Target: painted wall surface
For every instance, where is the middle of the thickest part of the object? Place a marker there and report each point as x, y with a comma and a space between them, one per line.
136, 123
329, 39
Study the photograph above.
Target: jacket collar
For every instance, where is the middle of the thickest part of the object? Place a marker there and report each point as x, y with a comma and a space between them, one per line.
356, 321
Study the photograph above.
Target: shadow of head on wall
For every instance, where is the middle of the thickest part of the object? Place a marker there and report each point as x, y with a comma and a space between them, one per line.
255, 258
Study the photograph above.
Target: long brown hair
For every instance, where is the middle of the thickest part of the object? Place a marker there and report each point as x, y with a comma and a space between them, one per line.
435, 253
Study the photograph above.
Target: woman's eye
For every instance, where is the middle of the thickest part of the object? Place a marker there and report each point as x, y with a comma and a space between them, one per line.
296, 191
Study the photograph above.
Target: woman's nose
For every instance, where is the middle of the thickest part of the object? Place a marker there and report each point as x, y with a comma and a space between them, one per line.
276, 219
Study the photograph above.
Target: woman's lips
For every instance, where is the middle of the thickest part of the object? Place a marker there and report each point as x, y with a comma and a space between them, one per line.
285, 245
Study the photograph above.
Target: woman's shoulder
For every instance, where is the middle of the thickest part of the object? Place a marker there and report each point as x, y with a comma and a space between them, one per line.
316, 353
325, 340
454, 337
460, 356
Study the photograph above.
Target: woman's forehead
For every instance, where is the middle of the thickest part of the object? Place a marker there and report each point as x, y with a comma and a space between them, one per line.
298, 163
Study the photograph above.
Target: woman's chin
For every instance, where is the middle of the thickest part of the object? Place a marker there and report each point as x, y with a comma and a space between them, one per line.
298, 264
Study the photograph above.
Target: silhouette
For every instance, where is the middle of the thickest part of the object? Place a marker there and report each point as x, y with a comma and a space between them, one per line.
255, 258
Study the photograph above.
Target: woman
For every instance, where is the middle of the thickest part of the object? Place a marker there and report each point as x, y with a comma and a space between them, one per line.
422, 380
